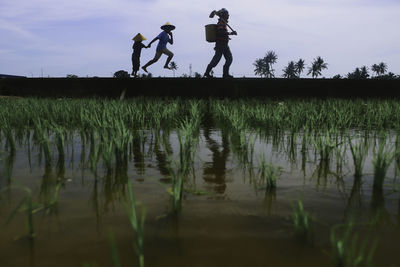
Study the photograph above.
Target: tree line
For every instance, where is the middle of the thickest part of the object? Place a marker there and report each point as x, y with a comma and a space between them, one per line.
263, 67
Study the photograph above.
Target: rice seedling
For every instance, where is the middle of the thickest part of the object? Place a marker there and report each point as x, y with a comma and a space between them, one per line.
9, 165
94, 154
50, 203
10, 140
348, 249
302, 223
114, 249
269, 173
381, 162
292, 146
397, 154
42, 137
137, 224
188, 142
27, 205
325, 145
359, 152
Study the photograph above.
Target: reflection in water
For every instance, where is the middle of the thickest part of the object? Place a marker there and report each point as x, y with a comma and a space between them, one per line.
9, 166
226, 147
270, 201
379, 213
354, 201
163, 148
215, 172
94, 199
138, 149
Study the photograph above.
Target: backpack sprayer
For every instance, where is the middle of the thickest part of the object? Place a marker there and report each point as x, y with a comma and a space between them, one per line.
211, 29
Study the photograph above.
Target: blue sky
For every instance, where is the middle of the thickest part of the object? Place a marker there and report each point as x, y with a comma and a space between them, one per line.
93, 37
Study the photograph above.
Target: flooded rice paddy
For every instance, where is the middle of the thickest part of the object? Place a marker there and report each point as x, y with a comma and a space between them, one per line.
171, 182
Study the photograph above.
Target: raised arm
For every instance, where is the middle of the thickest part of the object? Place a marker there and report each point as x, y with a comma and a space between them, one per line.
171, 39
152, 41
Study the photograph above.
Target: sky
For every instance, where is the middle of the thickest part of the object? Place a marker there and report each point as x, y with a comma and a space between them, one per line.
54, 38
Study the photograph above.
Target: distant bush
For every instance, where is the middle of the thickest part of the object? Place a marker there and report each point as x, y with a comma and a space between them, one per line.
72, 76
149, 75
121, 74
389, 76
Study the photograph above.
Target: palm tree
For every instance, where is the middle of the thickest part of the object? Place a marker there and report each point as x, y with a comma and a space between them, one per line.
271, 59
317, 66
375, 68
290, 71
364, 72
359, 73
299, 66
379, 69
173, 66
383, 68
261, 67
264, 65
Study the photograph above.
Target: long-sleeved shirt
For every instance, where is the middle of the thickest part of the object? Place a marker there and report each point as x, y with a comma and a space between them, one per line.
222, 33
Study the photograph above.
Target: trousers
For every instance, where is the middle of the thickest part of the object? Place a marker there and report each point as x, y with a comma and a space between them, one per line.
221, 50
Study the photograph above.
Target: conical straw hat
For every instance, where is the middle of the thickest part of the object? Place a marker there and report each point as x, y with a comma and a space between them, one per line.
168, 26
139, 38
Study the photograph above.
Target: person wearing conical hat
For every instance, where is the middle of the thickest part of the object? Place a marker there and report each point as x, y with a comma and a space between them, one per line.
221, 45
137, 49
164, 38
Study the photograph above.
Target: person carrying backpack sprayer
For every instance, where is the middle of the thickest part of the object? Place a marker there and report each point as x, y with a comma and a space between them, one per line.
164, 37
221, 44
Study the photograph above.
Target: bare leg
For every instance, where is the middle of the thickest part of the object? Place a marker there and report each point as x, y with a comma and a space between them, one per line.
154, 60
167, 62
170, 56
148, 64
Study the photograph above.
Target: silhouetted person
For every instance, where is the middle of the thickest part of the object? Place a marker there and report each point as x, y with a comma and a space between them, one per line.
164, 37
137, 49
221, 45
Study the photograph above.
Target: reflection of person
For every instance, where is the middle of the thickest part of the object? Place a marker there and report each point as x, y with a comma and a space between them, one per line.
137, 49
215, 171
164, 37
221, 45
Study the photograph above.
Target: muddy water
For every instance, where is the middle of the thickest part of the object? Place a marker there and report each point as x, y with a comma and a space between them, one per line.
227, 217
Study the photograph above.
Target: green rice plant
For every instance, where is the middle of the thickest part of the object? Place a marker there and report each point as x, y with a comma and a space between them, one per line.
94, 152
269, 173
179, 170
359, 152
114, 250
27, 205
9, 165
177, 174
302, 223
42, 136
50, 206
348, 250
381, 162
242, 143
292, 146
10, 140
325, 145
397, 153
137, 224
